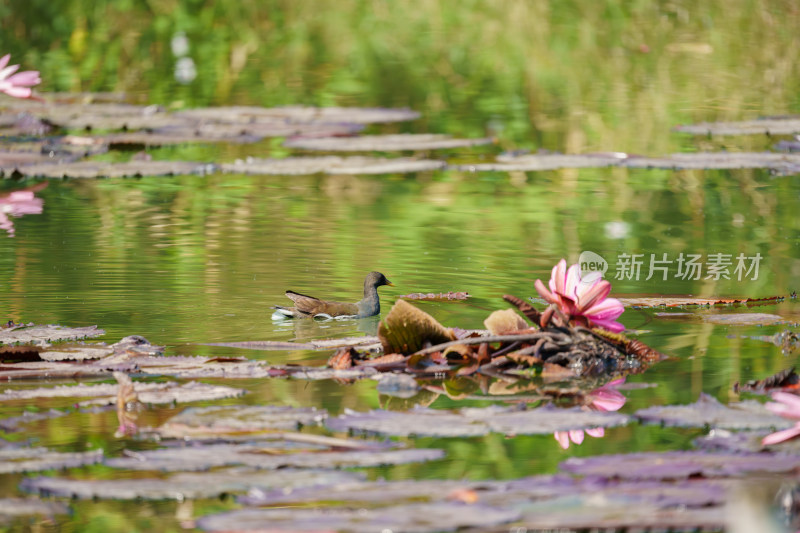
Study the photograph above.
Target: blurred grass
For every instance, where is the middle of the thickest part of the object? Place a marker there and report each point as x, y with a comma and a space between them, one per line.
570, 76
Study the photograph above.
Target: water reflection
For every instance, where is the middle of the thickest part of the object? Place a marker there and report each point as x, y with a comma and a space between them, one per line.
605, 398
19, 203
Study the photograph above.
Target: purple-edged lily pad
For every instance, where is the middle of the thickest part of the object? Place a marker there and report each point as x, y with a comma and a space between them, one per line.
11, 508
13, 460
443, 516
384, 143
262, 456
149, 393
238, 420
188, 485
707, 411
679, 465
299, 114
471, 422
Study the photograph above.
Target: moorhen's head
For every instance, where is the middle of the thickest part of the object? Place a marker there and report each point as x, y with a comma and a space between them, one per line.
376, 279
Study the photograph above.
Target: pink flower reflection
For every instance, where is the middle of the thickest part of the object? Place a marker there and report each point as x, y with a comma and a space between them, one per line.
788, 406
583, 301
18, 203
605, 398
17, 85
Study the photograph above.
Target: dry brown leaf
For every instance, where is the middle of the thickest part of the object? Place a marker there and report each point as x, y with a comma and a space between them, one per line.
504, 322
407, 329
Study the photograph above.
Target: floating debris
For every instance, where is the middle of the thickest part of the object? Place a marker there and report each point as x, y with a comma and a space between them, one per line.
783, 380
384, 143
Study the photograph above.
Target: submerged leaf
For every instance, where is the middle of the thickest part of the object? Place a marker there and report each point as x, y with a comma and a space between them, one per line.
406, 330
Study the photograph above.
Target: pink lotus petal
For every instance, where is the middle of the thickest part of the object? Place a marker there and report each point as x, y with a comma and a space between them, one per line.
572, 282
544, 293
596, 432
19, 196
17, 92
28, 77
608, 400
589, 295
563, 438
558, 277
780, 436
576, 435
608, 325
791, 401
8, 71
4, 61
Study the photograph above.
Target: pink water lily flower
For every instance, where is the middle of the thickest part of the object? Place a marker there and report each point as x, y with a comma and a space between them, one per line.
788, 406
583, 301
17, 85
605, 398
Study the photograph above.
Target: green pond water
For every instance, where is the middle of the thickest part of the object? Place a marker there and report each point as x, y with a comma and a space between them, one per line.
186, 261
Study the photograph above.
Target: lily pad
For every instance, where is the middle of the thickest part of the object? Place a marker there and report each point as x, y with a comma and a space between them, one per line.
539, 162
30, 333
470, 422
332, 165
15, 507
239, 419
108, 169
765, 126
263, 457
743, 319
15, 460
679, 465
367, 342
715, 160
444, 516
149, 393
186, 485
384, 143
678, 301
435, 297
707, 411
743, 441
300, 114
14, 423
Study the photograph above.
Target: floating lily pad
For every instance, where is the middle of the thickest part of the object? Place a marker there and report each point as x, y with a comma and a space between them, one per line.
100, 116
715, 160
743, 441
384, 143
538, 162
80, 352
612, 512
679, 465
332, 165
14, 423
149, 393
10, 162
444, 516
98, 169
15, 507
263, 457
671, 301
743, 319
766, 126
300, 114
14, 460
187, 485
436, 297
707, 411
239, 419
44, 334
472, 422
367, 342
